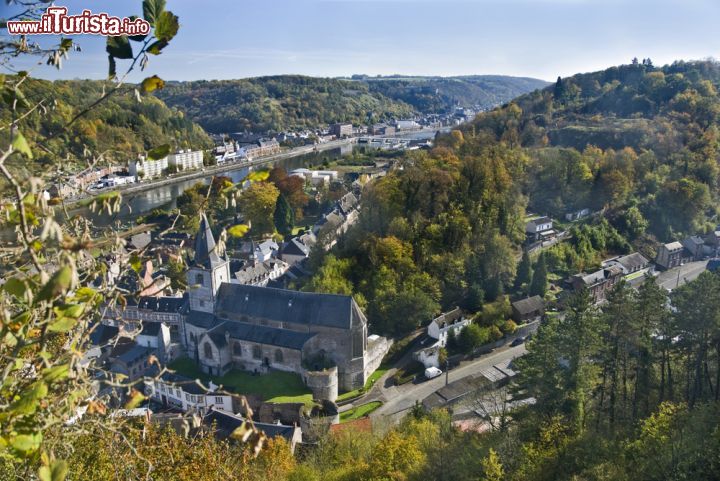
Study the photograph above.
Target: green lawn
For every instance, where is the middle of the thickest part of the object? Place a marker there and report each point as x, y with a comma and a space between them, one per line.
275, 386
359, 412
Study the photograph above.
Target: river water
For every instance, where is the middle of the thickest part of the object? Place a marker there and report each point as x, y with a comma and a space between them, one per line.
164, 197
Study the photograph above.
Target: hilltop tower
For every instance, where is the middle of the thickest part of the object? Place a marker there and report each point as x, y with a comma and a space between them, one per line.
208, 270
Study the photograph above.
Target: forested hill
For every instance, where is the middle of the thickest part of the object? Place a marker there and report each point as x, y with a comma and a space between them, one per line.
119, 127
279, 103
293, 101
637, 139
441, 94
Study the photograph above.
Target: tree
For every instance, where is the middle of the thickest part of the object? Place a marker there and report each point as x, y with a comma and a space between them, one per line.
538, 286
284, 216
257, 204
472, 337
559, 90
524, 271
492, 467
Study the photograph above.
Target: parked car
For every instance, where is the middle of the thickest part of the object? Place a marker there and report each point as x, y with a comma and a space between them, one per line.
432, 372
517, 341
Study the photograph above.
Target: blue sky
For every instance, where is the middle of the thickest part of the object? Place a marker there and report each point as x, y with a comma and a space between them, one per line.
534, 38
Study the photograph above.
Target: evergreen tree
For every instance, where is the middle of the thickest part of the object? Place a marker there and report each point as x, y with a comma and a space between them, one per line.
538, 286
284, 216
524, 271
559, 89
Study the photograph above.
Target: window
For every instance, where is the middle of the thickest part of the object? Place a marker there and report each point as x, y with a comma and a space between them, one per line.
219, 399
199, 279
202, 303
257, 352
237, 349
278, 356
208, 350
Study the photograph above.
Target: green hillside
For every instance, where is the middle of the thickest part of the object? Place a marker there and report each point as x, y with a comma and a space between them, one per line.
279, 103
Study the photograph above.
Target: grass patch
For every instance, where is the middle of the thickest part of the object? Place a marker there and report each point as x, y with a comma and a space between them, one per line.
274, 386
368, 385
359, 412
635, 275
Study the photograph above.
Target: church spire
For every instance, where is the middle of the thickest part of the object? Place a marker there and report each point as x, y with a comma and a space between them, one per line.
205, 247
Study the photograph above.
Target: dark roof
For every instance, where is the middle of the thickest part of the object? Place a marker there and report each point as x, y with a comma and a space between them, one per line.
150, 329
288, 306
448, 317
162, 304
133, 354
205, 247
347, 202
226, 423
102, 334
295, 248
185, 383
541, 220
632, 261
531, 304
201, 319
270, 336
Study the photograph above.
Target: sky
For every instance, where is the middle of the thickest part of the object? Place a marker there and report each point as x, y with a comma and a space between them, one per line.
226, 39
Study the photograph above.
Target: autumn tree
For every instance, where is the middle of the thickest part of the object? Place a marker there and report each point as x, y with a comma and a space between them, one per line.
257, 204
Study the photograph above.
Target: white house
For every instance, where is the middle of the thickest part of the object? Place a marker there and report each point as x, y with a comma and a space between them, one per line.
539, 225
173, 390
440, 327
316, 177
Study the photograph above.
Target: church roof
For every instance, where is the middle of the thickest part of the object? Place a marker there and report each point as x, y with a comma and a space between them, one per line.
270, 336
282, 305
205, 248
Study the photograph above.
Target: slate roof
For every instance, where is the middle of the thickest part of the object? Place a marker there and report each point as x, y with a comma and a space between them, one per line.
296, 248
205, 248
671, 246
187, 384
226, 423
270, 336
282, 305
162, 304
448, 317
633, 261
531, 304
134, 354
102, 334
151, 329
347, 202
201, 319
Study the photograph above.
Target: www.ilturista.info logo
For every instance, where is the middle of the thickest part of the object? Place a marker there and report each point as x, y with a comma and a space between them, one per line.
56, 21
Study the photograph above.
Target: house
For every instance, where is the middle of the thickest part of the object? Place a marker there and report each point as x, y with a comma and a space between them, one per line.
440, 327
630, 264
539, 228
315, 177
130, 360
294, 251
670, 255
256, 273
226, 423
528, 309
341, 130
695, 246
712, 240
186, 159
599, 282
156, 336
577, 215
180, 392
143, 168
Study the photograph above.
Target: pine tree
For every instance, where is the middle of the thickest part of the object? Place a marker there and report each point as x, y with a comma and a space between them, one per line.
538, 286
559, 89
524, 271
284, 216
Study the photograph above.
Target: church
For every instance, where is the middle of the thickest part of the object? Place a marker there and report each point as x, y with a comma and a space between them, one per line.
226, 325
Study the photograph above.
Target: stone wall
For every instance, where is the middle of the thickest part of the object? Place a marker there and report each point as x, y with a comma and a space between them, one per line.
376, 350
323, 384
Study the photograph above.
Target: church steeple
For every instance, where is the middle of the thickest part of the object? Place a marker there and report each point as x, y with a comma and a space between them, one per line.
208, 269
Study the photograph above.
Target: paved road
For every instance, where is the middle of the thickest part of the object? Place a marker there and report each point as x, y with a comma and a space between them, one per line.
398, 399
670, 280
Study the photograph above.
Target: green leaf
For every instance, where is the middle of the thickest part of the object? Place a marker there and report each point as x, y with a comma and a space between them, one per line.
238, 230
156, 47
58, 284
15, 287
29, 400
119, 47
152, 10
56, 373
44, 473
63, 324
59, 470
20, 144
166, 26
159, 152
136, 397
27, 443
258, 176
152, 83
136, 38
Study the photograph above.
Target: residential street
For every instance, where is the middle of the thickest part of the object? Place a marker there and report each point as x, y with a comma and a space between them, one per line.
397, 399
688, 272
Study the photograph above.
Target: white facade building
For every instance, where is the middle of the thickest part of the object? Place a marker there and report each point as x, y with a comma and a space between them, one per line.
186, 159
441, 326
143, 168
185, 394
